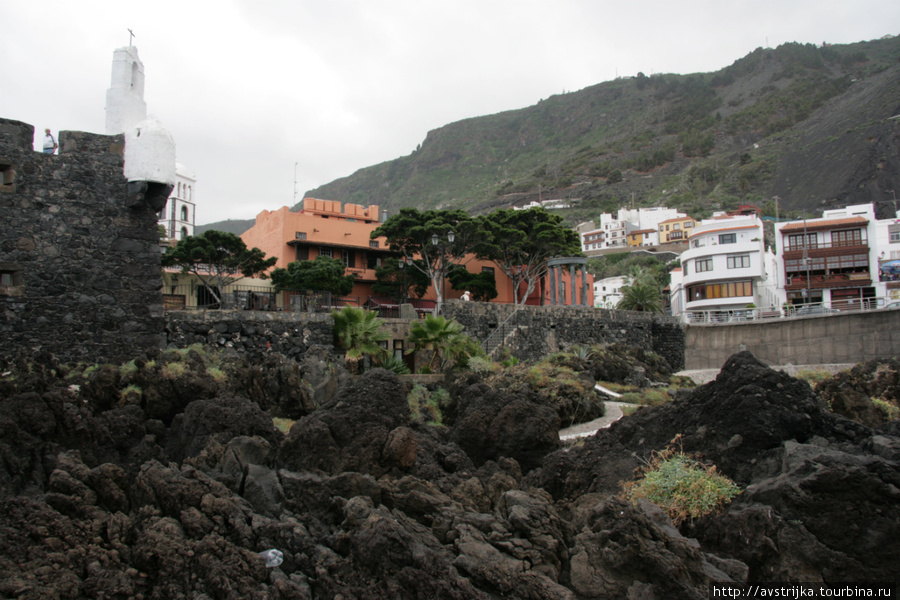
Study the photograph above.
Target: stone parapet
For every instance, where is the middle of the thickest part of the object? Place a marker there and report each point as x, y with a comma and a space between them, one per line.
85, 263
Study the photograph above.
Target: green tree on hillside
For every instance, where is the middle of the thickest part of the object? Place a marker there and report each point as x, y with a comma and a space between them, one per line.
520, 242
217, 259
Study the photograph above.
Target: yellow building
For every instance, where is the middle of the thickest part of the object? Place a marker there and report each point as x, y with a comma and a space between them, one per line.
676, 229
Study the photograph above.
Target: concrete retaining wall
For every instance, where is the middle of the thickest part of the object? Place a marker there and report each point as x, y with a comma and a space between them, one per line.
840, 338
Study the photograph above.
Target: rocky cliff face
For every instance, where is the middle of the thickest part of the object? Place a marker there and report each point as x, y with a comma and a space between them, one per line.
172, 490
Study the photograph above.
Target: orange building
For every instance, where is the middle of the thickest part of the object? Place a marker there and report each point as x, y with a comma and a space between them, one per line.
325, 228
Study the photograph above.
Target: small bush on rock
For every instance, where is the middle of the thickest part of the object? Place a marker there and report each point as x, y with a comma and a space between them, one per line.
681, 485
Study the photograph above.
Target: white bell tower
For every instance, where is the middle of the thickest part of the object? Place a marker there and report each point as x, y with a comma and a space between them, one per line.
125, 104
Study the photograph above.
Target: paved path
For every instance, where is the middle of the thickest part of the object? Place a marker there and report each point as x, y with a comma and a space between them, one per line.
613, 413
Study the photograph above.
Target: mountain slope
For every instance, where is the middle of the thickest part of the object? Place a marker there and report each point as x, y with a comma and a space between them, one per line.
809, 124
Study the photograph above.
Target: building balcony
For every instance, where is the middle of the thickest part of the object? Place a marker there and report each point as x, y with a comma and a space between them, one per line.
823, 281
826, 248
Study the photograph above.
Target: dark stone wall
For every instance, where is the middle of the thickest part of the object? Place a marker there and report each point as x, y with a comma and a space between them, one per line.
287, 333
543, 330
83, 256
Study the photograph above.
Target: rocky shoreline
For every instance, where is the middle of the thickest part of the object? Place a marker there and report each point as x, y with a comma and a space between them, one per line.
154, 480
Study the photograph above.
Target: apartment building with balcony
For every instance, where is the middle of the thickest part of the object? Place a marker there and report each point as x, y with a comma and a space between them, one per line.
723, 269
675, 230
829, 260
611, 233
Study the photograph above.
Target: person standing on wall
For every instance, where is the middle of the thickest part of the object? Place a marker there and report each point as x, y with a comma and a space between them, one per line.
49, 143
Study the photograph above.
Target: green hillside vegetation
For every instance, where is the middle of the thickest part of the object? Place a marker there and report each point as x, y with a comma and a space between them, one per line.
807, 123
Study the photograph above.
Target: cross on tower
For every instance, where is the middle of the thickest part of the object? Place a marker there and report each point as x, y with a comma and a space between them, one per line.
130, 36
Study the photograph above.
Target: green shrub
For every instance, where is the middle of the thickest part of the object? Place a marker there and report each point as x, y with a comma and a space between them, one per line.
395, 364
217, 374
684, 487
283, 425
129, 392
890, 411
813, 377
427, 405
171, 370
481, 365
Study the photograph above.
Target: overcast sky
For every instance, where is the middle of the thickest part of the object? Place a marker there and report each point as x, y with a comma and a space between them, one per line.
261, 94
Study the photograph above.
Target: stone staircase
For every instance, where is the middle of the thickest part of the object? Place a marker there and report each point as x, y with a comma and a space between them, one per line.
501, 335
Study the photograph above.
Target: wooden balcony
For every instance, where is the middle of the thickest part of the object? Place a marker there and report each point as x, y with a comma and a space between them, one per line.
819, 281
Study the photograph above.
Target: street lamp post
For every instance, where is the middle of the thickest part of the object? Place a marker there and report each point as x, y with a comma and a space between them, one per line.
401, 264
441, 245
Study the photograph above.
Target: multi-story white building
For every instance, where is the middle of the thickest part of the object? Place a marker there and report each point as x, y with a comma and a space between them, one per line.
648, 218
611, 233
724, 268
608, 292
831, 260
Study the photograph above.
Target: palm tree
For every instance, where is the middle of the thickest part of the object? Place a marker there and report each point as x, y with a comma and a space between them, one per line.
640, 296
442, 338
359, 333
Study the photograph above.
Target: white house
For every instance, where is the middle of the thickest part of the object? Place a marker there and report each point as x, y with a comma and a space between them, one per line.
607, 292
724, 269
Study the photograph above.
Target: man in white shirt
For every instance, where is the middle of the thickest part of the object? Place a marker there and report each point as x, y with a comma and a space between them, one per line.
49, 143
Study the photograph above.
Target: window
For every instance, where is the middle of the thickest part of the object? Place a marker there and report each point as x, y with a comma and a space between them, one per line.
703, 264
326, 252
184, 233
7, 177
12, 280
347, 257
796, 241
676, 226
373, 243
733, 289
727, 238
184, 213
738, 261
688, 224
300, 235
684, 267
894, 231
848, 237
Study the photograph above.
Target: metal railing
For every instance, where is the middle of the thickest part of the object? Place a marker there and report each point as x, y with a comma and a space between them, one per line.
789, 311
196, 296
498, 337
